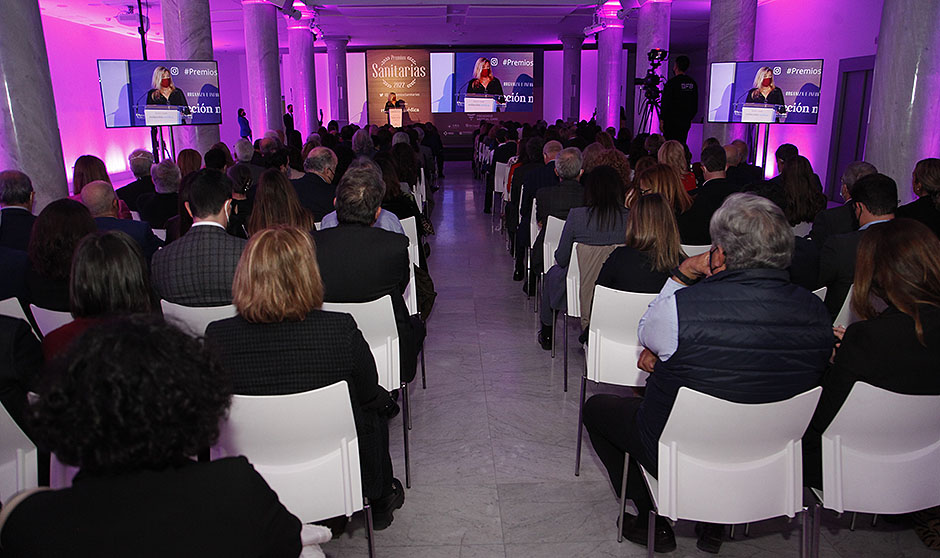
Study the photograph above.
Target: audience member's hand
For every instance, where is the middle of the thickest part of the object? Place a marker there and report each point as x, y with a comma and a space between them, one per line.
696, 266
839, 332
647, 361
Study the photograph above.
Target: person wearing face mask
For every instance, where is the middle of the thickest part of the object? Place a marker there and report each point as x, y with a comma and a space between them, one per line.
164, 92
764, 91
483, 79
198, 269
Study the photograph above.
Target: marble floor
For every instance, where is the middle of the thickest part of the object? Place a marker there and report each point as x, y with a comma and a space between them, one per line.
494, 434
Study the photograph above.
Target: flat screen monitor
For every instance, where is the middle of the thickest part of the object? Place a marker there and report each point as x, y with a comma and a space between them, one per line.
159, 92
771, 92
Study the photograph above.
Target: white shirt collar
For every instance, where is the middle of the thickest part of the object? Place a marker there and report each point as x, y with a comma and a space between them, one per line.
208, 223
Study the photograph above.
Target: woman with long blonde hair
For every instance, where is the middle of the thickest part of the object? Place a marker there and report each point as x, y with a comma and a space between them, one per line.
672, 153
663, 180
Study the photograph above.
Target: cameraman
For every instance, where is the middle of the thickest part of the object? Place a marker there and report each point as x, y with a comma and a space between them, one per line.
680, 102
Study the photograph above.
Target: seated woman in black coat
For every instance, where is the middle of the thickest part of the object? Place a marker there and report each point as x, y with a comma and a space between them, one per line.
896, 349
131, 402
281, 342
56, 233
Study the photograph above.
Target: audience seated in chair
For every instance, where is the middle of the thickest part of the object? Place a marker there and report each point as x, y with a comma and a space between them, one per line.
694, 223
56, 233
316, 188
700, 333
926, 183
140, 161
20, 363
540, 177
805, 198
841, 219
16, 209
100, 200
276, 203
158, 206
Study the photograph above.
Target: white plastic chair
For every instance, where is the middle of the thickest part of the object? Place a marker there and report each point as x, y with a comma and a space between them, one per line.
553, 228
728, 463
135, 215
612, 348
194, 320
48, 320
802, 229
882, 462
160, 233
533, 235
410, 225
11, 307
847, 315
19, 459
411, 291
821, 293
317, 225
573, 302
500, 177
695, 249
376, 321
305, 446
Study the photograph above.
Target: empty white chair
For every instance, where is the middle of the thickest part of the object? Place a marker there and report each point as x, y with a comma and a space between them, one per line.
160, 233
847, 315
553, 229
194, 320
11, 307
18, 458
305, 446
48, 320
612, 348
573, 302
728, 463
882, 462
821, 293
376, 321
695, 249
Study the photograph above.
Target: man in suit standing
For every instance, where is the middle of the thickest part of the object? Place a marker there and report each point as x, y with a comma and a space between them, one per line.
100, 199
874, 200
361, 263
693, 224
140, 161
841, 220
198, 269
16, 205
315, 189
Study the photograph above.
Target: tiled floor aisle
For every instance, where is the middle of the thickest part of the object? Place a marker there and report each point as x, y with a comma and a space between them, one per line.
492, 448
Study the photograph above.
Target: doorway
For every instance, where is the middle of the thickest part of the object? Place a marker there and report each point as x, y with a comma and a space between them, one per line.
850, 120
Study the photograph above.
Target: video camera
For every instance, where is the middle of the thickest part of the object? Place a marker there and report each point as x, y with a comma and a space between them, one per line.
650, 82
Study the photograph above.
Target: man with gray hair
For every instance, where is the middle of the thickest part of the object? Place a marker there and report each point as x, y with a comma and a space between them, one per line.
841, 220
140, 161
739, 171
157, 207
385, 220
102, 203
16, 209
315, 189
728, 324
558, 200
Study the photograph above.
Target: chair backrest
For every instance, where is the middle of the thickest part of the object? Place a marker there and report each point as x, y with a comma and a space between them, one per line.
18, 458
821, 292
376, 321
613, 348
573, 284
802, 229
411, 292
48, 320
847, 315
11, 307
317, 225
135, 215
160, 233
304, 445
735, 463
500, 174
194, 320
533, 224
886, 461
695, 249
410, 225
553, 229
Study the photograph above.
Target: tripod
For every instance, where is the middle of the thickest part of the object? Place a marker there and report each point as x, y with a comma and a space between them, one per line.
648, 106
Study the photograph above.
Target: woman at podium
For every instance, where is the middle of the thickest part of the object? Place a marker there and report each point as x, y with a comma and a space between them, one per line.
393, 102
164, 92
764, 91
483, 79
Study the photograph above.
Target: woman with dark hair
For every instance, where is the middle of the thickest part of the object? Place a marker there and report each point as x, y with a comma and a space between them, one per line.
925, 181
188, 160
276, 203
130, 403
804, 192
179, 224
109, 278
406, 163
601, 222
896, 349
241, 203
56, 233
88, 169
282, 342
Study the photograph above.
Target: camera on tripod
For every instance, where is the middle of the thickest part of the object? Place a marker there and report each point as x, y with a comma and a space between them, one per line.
650, 82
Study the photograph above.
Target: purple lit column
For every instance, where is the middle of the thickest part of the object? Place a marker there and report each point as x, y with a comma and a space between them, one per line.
730, 38
264, 75
902, 126
188, 36
29, 131
300, 39
339, 96
571, 77
652, 31
610, 92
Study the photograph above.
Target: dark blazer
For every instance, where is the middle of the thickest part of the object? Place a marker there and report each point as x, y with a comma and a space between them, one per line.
743, 175
829, 222
628, 269
922, 210
138, 230
505, 151
198, 269
45, 292
804, 267
295, 356
13, 279
16, 226
884, 352
20, 361
558, 200
157, 208
130, 193
361, 264
693, 224
315, 194
220, 508
837, 268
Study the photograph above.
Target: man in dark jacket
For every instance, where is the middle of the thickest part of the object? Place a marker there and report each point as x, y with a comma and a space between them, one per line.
841, 220
316, 188
728, 324
680, 102
537, 179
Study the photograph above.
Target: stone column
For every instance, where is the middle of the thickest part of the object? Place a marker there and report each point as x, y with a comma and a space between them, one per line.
571, 77
188, 36
300, 39
264, 75
904, 103
652, 31
339, 96
610, 92
29, 130
730, 38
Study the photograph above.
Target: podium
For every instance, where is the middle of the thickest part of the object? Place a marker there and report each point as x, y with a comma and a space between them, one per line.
395, 115
483, 103
162, 115
760, 113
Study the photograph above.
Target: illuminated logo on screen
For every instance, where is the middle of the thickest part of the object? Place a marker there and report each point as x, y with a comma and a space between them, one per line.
174, 71
777, 70
399, 72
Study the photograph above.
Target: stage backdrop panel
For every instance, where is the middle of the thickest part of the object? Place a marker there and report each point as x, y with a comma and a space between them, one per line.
407, 73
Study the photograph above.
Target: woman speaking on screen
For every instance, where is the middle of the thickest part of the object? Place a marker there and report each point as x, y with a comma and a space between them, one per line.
764, 90
164, 92
483, 79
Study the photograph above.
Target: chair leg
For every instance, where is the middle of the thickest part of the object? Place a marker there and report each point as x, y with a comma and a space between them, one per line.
852, 525
406, 412
804, 534
874, 520
747, 529
817, 517
370, 533
554, 321
650, 530
577, 455
564, 325
731, 532
623, 497
424, 376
